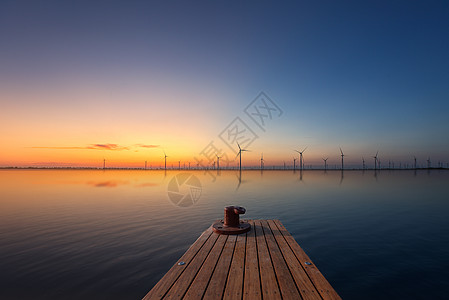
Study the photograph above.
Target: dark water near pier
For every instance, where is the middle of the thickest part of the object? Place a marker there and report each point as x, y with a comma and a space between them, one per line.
112, 234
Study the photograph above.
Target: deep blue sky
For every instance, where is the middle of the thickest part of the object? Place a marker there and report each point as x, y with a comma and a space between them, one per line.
361, 75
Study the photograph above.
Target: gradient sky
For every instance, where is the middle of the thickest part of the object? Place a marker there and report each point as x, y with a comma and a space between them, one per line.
125, 80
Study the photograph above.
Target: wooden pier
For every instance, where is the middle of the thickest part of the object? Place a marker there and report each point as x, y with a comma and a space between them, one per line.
265, 263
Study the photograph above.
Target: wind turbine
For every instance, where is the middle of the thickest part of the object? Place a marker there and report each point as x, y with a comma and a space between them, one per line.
104, 163
428, 163
145, 165
363, 163
375, 160
261, 162
179, 165
218, 161
165, 163
300, 157
342, 156
240, 154
325, 163
294, 164
414, 157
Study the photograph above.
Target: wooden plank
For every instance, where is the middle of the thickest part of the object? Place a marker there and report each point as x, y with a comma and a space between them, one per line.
161, 288
199, 284
287, 285
270, 288
322, 285
303, 283
180, 286
251, 284
234, 285
217, 282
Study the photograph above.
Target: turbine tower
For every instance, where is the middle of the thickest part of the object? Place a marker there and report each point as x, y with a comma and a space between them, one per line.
375, 160
428, 163
342, 156
240, 154
104, 163
300, 158
294, 164
325, 163
414, 157
165, 162
145, 165
363, 163
262, 162
218, 161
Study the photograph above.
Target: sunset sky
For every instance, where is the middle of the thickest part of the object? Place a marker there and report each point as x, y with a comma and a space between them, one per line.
83, 81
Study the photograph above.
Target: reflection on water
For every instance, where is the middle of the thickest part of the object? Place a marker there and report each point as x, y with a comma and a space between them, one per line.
113, 234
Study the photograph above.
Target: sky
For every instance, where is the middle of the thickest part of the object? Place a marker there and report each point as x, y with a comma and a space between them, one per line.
126, 81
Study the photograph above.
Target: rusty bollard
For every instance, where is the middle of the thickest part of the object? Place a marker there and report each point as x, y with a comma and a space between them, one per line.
231, 223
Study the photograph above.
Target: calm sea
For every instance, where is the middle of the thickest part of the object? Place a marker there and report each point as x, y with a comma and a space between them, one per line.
70, 234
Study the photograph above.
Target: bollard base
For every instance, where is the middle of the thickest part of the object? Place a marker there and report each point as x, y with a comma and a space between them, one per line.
220, 228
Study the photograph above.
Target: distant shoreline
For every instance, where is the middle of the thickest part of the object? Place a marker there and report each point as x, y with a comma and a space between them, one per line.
223, 169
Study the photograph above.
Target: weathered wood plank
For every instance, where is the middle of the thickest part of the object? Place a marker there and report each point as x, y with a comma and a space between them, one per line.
234, 284
251, 284
161, 288
199, 284
322, 285
270, 287
286, 283
180, 286
303, 283
217, 282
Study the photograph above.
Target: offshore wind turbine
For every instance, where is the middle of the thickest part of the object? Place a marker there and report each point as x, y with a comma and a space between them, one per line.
145, 165
375, 160
165, 161
414, 157
300, 157
240, 154
104, 163
342, 156
262, 162
294, 164
363, 163
218, 161
325, 163
428, 163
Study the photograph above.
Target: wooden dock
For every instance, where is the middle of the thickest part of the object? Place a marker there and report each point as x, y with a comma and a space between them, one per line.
265, 263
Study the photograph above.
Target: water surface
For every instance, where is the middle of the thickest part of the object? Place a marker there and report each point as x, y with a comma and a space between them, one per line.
113, 234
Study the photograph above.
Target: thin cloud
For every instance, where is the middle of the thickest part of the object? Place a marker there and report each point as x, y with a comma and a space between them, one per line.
113, 147
147, 146
108, 147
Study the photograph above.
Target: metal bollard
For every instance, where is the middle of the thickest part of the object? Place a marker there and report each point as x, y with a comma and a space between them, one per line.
231, 223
